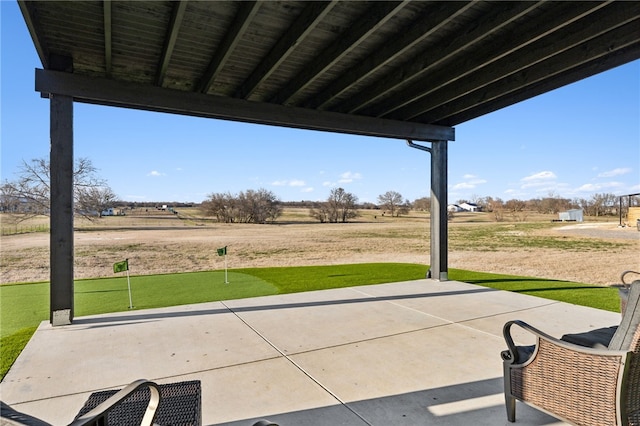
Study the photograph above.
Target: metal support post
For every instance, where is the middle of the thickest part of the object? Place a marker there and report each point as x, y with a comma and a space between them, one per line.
439, 225
61, 204
438, 269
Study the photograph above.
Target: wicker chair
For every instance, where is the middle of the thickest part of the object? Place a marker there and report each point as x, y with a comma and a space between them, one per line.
581, 385
141, 403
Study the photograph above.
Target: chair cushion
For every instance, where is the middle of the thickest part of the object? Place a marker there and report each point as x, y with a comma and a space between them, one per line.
598, 338
524, 353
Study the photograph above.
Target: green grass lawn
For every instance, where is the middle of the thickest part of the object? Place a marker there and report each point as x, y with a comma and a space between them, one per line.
24, 306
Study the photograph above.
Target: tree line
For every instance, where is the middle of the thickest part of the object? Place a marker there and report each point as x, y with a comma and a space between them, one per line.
600, 204
263, 206
29, 195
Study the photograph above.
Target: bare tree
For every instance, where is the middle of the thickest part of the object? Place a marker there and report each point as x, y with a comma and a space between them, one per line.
422, 204
249, 206
339, 207
320, 212
221, 206
602, 204
490, 204
552, 203
342, 205
32, 191
497, 207
517, 208
259, 206
95, 199
391, 201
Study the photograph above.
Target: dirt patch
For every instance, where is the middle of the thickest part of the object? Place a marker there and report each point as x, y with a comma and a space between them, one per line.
184, 248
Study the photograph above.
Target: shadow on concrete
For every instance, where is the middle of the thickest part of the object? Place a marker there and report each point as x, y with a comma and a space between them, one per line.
143, 316
477, 403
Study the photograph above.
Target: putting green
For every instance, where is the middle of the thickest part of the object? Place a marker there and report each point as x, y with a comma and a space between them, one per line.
23, 305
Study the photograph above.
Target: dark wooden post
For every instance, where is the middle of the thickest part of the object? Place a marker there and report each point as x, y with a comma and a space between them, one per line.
61, 219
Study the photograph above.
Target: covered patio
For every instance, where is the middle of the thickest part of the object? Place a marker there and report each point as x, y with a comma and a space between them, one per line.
411, 353
408, 70
420, 352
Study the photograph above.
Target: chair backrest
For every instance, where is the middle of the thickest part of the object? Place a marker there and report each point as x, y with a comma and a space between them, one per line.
627, 336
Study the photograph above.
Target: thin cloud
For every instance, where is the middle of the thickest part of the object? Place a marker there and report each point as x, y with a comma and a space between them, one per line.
348, 177
545, 175
463, 185
155, 173
295, 182
471, 182
615, 172
544, 179
595, 187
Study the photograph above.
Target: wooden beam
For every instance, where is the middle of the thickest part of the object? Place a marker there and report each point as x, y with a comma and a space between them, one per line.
106, 11
32, 25
304, 24
240, 24
152, 98
177, 13
364, 26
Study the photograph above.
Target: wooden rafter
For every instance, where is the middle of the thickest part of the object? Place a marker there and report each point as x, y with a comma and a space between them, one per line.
363, 27
177, 14
313, 13
418, 98
246, 12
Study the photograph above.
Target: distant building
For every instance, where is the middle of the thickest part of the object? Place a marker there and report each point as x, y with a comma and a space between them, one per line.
574, 215
464, 207
470, 207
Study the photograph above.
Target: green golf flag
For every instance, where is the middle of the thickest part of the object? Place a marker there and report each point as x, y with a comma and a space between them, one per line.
121, 266
222, 251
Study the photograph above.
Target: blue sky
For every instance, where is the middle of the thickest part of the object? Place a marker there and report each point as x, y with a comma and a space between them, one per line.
574, 142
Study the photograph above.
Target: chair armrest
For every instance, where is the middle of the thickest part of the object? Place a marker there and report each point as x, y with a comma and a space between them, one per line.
511, 354
576, 383
101, 411
9, 416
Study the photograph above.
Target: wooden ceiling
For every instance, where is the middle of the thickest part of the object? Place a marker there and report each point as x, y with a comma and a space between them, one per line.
414, 62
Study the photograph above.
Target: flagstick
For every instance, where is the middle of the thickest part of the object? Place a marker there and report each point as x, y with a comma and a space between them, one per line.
129, 285
226, 281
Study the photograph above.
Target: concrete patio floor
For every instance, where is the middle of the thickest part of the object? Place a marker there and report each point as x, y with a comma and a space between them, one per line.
411, 353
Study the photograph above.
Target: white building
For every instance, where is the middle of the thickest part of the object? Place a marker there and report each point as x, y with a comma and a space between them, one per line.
470, 207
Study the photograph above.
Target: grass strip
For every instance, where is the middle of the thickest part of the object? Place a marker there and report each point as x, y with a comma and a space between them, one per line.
599, 297
11, 346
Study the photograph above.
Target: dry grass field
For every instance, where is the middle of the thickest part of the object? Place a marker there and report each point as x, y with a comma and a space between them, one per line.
161, 242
